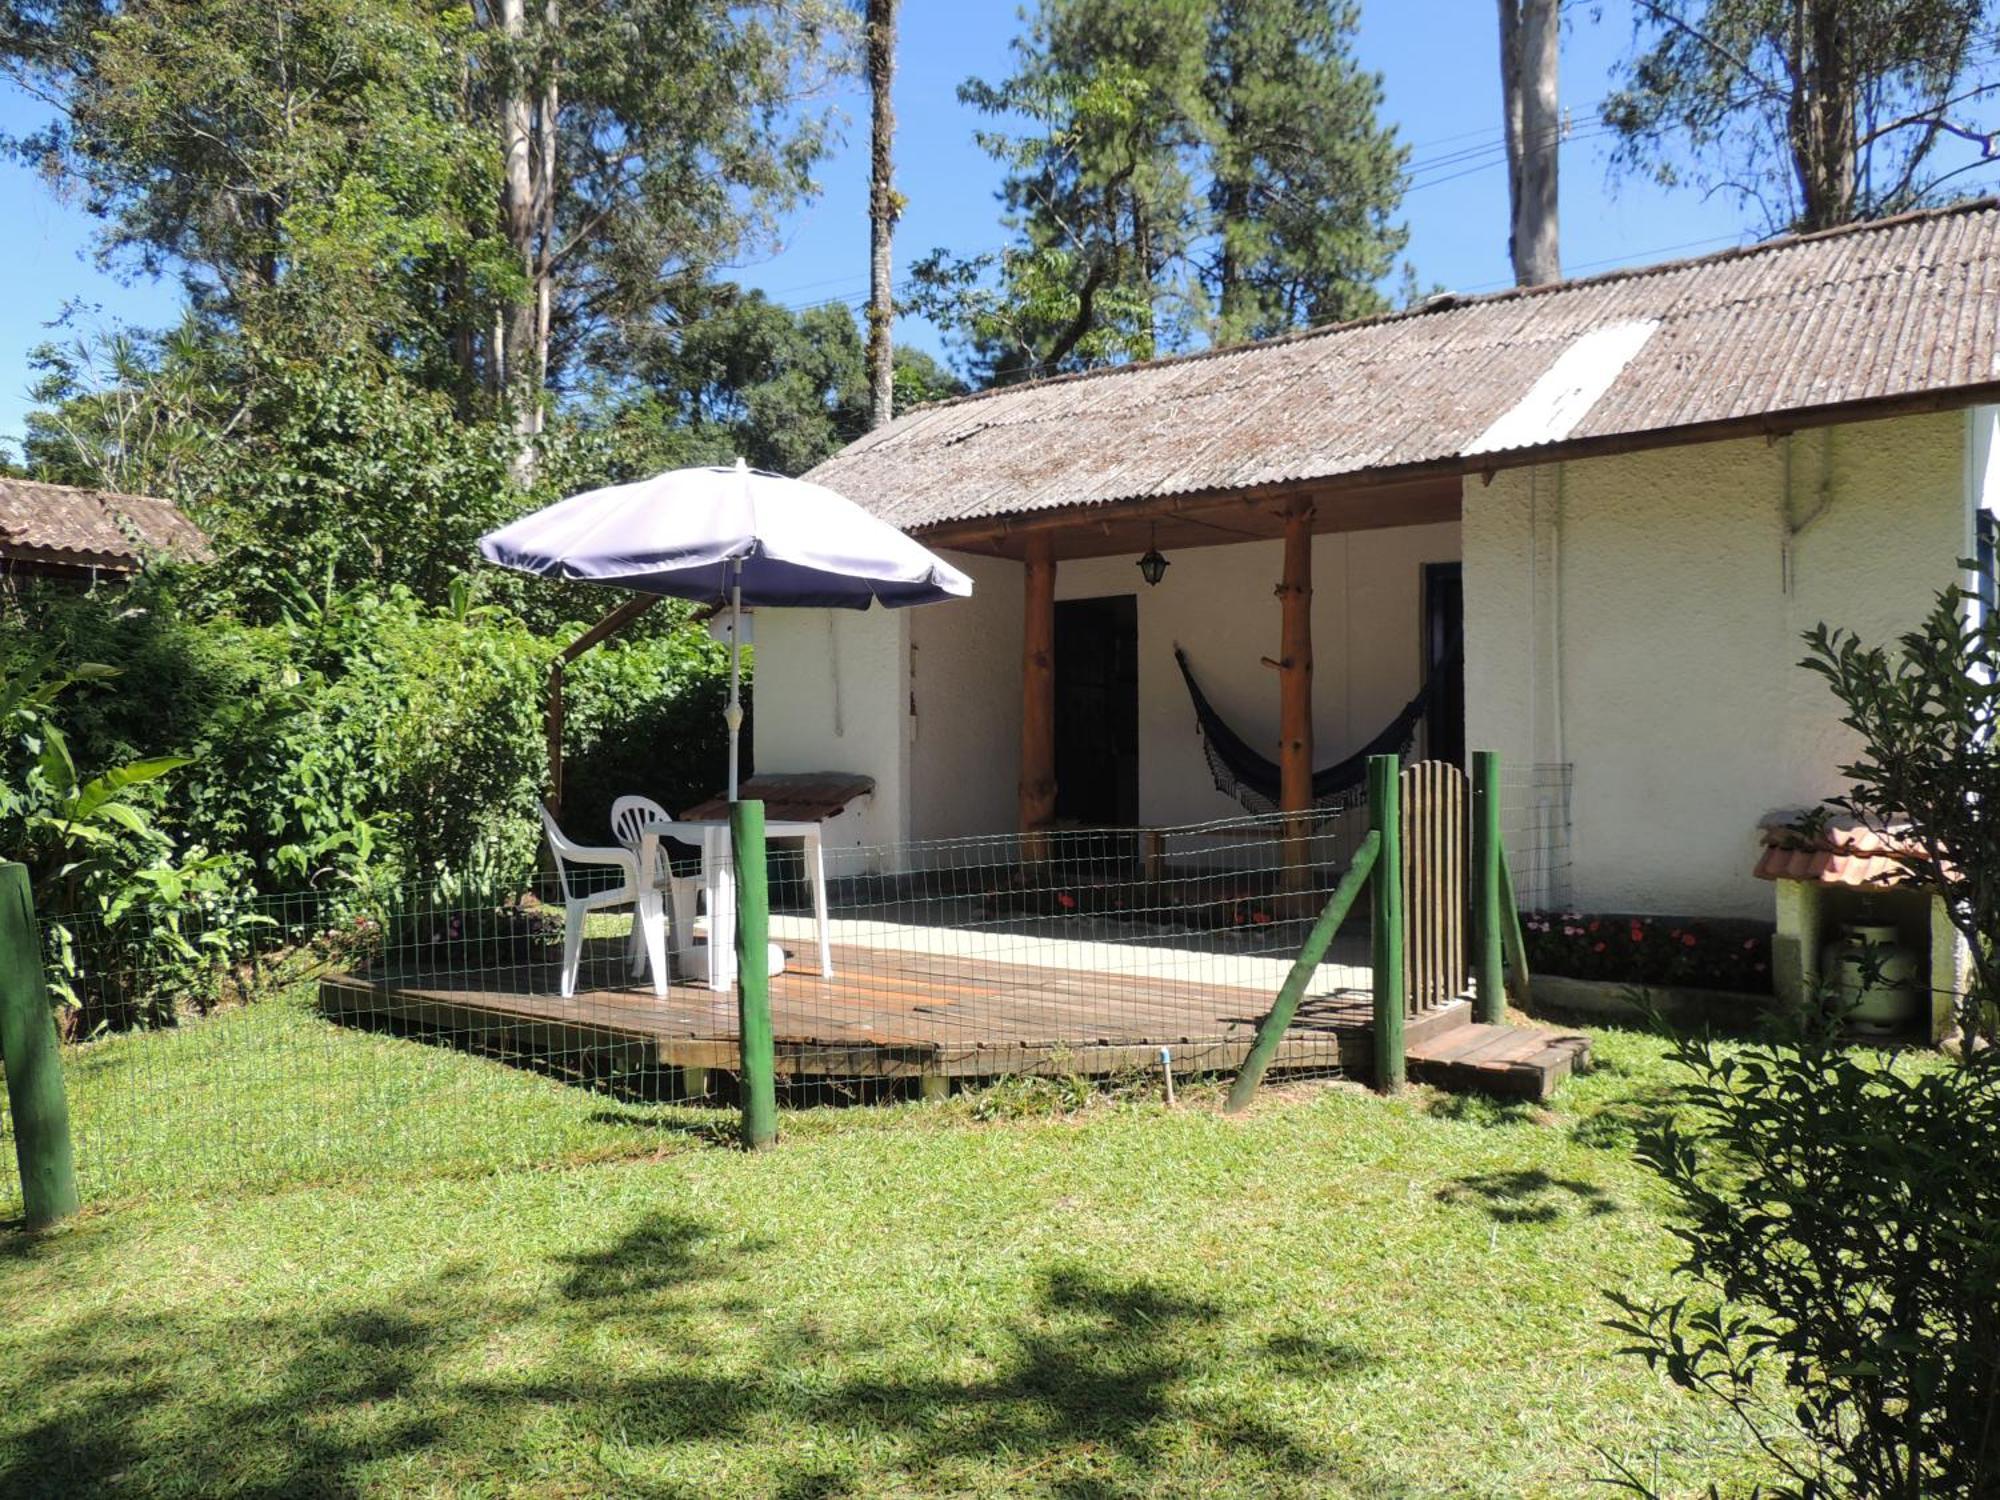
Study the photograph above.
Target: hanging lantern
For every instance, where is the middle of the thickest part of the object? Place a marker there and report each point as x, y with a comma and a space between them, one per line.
1153, 567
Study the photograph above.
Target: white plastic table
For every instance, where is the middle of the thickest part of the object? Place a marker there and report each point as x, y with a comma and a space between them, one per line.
718, 882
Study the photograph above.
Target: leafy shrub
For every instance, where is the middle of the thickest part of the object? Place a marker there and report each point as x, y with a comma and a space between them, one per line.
126, 900
1842, 1221
1928, 713
1696, 952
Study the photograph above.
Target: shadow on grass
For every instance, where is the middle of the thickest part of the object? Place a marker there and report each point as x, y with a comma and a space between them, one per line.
1529, 1196
655, 1367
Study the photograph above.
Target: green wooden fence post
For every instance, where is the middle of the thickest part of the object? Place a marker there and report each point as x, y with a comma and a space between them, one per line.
1303, 968
1385, 814
33, 1061
757, 1072
1488, 984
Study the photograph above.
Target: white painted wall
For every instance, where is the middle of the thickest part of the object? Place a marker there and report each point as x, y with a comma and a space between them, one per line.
831, 695
1639, 617
965, 677
950, 768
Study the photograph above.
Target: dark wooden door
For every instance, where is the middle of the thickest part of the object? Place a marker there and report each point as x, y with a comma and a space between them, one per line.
1097, 711
1444, 653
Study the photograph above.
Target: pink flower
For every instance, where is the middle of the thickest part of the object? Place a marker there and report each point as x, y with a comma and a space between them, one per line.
1597, 948
1749, 945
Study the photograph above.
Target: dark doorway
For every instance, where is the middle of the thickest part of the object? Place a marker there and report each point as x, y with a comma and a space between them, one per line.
1097, 711
1444, 654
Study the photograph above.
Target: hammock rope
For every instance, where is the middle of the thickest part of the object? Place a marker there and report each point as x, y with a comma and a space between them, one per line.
1252, 780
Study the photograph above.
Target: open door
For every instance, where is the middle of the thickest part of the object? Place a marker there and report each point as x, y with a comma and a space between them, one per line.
1444, 631
1097, 711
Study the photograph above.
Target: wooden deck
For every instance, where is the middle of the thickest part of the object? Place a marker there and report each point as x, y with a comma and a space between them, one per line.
888, 1014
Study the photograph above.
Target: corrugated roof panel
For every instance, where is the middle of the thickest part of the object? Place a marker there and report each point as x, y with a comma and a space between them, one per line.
1868, 313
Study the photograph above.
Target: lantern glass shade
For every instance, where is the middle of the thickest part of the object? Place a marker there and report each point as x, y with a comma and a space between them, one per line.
1153, 567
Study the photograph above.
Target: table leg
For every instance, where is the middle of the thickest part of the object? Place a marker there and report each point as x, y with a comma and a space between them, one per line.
816, 851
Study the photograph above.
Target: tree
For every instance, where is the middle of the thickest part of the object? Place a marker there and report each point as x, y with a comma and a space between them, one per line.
484, 193
1818, 111
643, 145
305, 163
884, 203
1193, 171
748, 378
1303, 181
1529, 46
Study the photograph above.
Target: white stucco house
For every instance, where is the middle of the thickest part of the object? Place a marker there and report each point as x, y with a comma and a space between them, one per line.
1630, 493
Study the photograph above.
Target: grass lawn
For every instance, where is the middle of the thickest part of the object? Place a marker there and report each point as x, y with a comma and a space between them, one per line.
402, 1271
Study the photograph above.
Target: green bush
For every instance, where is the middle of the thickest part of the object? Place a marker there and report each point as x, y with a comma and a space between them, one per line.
1842, 1223
359, 743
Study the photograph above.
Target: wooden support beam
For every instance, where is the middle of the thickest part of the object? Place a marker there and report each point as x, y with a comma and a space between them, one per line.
1038, 691
1295, 674
552, 718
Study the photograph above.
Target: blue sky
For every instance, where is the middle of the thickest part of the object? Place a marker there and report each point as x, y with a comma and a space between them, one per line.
1440, 74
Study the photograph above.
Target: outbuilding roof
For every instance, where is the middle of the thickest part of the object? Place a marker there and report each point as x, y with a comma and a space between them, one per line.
1897, 314
63, 529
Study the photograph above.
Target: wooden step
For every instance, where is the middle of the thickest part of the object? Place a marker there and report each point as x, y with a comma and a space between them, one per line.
1515, 1061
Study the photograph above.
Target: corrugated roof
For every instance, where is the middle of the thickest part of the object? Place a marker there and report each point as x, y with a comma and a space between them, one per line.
1870, 313
61, 526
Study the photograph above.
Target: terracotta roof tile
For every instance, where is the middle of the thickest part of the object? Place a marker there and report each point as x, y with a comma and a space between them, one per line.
1840, 851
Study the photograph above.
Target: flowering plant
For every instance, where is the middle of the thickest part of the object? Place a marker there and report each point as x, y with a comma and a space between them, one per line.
1700, 953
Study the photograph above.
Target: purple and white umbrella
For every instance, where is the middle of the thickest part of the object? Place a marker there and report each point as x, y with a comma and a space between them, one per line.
728, 534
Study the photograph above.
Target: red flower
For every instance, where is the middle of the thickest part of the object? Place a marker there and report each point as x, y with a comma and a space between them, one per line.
1687, 940
1638, 934
1065, 900
1597, 948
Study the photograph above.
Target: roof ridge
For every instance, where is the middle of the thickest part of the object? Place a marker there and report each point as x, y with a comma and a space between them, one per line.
1453, 302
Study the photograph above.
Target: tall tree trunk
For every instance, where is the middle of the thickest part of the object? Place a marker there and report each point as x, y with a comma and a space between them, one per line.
883, 206
518, 367
1821, 120
1529, 38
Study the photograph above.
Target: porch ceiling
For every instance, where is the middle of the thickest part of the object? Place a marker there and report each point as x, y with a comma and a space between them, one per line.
1182, 522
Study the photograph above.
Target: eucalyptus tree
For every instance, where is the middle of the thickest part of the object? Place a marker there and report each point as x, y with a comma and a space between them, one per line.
482, 191
1818, 112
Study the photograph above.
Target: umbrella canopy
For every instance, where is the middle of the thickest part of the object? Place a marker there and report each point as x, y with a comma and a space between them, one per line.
728, 533
701, 533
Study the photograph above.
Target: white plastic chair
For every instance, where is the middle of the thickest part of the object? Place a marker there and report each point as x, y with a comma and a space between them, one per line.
632, 819
648, 919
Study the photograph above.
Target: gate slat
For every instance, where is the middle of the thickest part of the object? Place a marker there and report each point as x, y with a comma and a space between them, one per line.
1436, 866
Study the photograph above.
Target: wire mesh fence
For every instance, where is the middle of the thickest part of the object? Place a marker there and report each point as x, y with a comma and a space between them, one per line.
438, 1025
1535, 829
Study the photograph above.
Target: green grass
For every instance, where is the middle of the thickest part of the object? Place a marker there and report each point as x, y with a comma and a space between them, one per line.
403, 1271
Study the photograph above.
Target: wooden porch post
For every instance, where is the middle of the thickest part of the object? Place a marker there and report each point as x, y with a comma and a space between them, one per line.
1295, 673
1038, 692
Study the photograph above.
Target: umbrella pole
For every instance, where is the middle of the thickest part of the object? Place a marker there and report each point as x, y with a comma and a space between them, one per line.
733, 714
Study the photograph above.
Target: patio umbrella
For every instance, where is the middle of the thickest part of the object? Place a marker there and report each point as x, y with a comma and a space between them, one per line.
735, 535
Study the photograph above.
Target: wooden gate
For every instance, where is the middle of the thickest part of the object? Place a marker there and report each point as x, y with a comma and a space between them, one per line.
1435, 862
